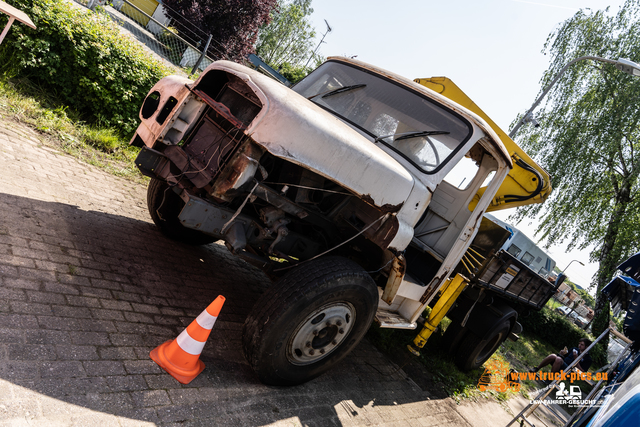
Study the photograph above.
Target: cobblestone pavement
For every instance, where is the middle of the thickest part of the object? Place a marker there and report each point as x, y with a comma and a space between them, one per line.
88, 287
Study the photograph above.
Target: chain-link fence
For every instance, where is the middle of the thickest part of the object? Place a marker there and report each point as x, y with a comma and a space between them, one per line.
149, 22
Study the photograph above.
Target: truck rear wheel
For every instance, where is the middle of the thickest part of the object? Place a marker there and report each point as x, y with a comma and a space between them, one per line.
473, 351
452, 337
309, 320
164, 207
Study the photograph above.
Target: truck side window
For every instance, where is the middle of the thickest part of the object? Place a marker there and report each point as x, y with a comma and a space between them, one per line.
514, 250
462, 174
527, 258
467, 168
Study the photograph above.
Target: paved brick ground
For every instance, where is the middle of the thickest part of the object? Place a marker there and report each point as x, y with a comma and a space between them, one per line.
88, 287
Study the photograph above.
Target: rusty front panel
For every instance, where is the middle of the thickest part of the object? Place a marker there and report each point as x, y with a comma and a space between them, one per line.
220, 131
215, 138
220, 109
359, 213
383, 235
211, 144
243, 162
191, 168
431, 289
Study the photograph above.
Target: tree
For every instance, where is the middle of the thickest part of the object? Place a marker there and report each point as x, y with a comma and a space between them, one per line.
589, 142
288, 38
588, 299
233, 24
619, 320
293, 73
584, 295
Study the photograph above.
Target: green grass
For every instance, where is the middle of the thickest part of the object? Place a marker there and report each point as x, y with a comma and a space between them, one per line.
446, 375
519, 355
22, 101
525, 354
552, 304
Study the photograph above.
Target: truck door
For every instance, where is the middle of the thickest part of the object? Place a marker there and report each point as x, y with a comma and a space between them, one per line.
448, 212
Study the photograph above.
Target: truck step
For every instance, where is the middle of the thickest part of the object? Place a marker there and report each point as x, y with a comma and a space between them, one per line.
390, 319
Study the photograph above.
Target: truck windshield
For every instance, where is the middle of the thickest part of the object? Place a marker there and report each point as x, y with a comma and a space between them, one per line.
412, 125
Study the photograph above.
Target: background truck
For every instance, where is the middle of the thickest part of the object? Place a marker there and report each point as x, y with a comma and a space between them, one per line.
358, 191
500, 287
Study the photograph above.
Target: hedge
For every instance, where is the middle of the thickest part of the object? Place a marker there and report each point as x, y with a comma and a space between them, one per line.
83, 59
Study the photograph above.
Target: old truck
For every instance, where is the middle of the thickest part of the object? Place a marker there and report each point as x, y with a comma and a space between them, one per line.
347, 191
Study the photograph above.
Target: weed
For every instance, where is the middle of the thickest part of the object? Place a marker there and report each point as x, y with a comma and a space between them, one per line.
73, 270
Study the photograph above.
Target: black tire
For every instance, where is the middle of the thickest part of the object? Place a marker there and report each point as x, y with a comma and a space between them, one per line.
164, 207
452, 337
473, 351
309, 320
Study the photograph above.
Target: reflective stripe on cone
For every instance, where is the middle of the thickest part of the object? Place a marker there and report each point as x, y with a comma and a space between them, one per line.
181, 357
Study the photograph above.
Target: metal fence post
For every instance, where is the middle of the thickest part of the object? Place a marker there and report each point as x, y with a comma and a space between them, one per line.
204, 53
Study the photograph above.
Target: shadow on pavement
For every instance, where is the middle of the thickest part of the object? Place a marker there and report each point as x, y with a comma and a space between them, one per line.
86, 295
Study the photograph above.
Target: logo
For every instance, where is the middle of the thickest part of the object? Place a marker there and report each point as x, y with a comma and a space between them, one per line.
574, 392
571, 396
496, 376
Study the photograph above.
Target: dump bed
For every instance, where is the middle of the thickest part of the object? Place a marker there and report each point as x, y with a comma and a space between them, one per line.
501, 272
509, 277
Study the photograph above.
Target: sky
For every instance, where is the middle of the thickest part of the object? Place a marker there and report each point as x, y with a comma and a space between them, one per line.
492, 49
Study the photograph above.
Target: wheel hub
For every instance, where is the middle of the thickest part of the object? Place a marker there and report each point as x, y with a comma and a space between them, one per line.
320, 333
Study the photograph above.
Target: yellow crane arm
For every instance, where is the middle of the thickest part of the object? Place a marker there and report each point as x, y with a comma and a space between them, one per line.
527, 183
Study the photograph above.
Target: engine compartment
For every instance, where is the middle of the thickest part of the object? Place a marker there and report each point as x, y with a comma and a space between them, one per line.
267, 209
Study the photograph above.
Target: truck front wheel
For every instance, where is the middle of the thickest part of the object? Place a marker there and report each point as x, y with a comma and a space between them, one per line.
309, 321
473, 351
164, 207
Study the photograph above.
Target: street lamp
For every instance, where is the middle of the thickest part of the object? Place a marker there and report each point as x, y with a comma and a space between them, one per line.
572, 261
329, 29
621, 64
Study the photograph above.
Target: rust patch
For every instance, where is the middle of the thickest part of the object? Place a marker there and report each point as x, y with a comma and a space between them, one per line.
243, 89
402, 266
248, 153
386, 208
222, 109
478, 219
430, 289
387, 231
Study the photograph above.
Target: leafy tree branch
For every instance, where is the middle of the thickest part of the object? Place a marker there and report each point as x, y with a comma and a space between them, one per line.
588, 142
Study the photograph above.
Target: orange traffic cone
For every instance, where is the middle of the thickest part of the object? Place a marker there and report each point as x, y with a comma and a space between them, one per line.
181, 357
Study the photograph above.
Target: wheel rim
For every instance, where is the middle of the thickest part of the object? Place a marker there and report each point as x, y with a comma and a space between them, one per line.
320, 333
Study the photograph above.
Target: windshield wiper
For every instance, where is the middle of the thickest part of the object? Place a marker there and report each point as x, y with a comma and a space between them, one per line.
409, 135
337, 91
